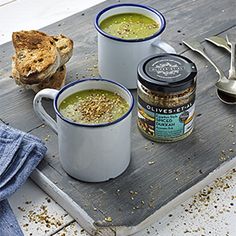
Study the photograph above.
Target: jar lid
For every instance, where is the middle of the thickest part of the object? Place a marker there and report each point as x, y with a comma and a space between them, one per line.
167, 72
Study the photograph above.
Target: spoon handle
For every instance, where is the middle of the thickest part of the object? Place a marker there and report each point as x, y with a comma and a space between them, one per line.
232, 71
197, 47
231, 40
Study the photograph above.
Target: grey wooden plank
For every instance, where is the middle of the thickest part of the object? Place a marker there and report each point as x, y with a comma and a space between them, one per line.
12, 100
199, 19
62, 182
176, 168
17, 106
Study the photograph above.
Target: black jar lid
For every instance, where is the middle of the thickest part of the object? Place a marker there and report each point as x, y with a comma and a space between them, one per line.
167, 72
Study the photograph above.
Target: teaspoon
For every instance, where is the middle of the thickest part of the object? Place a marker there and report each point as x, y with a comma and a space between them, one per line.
231, 39
226, 89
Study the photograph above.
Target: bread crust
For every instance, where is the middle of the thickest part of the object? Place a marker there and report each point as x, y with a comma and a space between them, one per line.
57, 81
36, 56
64, 46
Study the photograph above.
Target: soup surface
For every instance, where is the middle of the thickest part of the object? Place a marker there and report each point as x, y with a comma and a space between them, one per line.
93, 106
129, 26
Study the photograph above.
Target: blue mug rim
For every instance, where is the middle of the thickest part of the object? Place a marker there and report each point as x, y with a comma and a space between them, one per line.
160, 15
92, 125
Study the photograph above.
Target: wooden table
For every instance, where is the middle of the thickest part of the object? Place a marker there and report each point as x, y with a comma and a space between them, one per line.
193, 159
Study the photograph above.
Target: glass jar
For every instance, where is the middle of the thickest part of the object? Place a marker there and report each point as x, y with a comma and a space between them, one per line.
166, 97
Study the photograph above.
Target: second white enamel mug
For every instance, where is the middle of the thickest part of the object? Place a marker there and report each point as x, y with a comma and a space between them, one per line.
118, 58
89, 152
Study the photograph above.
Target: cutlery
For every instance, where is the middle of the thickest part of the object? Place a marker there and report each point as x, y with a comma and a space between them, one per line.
219, 41
231, 39
226, 89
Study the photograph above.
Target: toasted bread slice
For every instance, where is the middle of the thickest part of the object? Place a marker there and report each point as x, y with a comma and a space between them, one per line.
64, 46
36, 57
57, 81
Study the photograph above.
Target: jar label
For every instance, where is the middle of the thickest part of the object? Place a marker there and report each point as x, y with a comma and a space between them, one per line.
165, 123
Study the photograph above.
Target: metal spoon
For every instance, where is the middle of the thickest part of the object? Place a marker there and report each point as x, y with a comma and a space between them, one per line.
231, 39
226, 89
219, 41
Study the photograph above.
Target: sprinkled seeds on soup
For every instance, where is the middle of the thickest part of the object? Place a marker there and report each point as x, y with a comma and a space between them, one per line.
129, 26
93, 106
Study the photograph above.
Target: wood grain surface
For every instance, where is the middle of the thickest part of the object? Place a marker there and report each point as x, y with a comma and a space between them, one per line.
143, 188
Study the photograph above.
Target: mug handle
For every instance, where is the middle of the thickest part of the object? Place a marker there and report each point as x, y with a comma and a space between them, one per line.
39, 109
164, 46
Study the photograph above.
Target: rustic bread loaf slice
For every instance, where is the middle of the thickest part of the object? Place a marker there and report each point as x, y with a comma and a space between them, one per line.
64, 46
36, 57
56, 81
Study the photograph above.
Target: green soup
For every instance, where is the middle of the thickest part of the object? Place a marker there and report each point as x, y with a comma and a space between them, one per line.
129, 26
93, 106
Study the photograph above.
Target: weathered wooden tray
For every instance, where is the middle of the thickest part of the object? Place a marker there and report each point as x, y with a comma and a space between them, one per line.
144, 192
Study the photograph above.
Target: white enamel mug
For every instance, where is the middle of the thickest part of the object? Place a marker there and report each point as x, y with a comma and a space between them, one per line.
118, 58
88, 152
